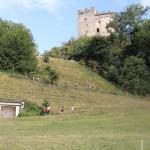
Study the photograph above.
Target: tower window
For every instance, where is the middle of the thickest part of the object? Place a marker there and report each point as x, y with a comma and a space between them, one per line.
85, 19
97, 30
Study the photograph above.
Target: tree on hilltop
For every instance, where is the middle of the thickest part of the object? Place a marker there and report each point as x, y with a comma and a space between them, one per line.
17, 48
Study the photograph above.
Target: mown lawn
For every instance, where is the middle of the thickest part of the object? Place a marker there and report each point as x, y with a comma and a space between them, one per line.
104, 130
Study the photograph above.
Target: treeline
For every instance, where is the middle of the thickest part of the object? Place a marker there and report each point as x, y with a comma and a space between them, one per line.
123, 57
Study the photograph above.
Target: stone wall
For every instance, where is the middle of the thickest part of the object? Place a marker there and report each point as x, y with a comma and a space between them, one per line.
91, 22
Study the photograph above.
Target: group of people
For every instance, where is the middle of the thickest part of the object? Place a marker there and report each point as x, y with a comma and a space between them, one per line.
47, 110
72, 109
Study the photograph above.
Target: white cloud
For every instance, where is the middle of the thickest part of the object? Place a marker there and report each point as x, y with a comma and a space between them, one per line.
145, 2
49, 5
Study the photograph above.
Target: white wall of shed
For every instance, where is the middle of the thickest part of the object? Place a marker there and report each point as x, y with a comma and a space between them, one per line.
0, 110
17, 110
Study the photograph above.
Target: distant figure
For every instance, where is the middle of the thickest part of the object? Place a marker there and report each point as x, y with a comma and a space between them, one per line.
76, 85
45, 111
62, 109
90, 87
126, 93
49, 109
72, 108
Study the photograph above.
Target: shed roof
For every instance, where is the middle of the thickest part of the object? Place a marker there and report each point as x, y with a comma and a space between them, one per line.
11, 103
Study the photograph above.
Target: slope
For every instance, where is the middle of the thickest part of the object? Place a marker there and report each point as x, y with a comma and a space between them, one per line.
104, 118
72, 89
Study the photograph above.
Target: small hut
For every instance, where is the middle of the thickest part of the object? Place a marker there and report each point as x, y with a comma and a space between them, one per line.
10, 109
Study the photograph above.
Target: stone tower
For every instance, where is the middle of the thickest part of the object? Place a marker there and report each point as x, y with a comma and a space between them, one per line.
91, 22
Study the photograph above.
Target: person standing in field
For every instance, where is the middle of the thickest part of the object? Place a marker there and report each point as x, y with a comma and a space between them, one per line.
49, 109
62, 109
72, 108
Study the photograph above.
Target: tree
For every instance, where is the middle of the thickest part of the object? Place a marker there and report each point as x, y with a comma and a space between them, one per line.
126, 22
17, 48
55, 52
122, 58
141, 43
135, 75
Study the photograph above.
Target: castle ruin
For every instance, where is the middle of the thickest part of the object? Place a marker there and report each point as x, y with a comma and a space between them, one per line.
91, 22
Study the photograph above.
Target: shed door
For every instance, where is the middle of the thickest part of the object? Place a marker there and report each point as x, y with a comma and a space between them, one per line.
8, 111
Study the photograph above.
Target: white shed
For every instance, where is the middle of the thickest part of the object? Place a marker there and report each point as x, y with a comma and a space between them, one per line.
10, 109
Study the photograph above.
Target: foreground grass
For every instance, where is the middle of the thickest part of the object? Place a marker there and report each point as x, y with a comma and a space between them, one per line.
104, 118
109, 130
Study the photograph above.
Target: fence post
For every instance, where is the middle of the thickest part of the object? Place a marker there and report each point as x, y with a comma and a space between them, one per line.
142, 146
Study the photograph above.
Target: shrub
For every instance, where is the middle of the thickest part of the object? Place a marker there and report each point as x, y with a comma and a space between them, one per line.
46, 75
52, 75
46, 56
30, 109
46, 59
82, 62
46, 103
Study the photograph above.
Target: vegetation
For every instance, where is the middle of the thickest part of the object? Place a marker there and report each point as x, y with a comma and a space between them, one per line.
33, 109
21, 87
45, 74
106, 129
46, 103
17, 48
122, 58
46, 56
103, 118
52, 75
30, 109
18, 53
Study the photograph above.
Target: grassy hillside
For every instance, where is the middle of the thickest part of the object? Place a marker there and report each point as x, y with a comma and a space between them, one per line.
18, 87
14, 86
104, 118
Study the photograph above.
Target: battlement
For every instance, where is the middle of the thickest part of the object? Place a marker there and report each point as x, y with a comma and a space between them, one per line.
91, 22
86, 10
94, 11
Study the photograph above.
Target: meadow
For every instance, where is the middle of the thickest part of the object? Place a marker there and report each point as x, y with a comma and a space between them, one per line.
105, 118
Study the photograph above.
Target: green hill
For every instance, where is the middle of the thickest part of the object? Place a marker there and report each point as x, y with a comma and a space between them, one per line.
105, 118
15, 86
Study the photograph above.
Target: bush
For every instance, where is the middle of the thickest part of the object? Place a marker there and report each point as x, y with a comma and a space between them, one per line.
46, 56
46, 59
45, 108
52, 75
30, 109
82, 62
46, 103
46, 75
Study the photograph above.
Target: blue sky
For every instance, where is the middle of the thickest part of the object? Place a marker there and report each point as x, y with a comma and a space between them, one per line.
55, 21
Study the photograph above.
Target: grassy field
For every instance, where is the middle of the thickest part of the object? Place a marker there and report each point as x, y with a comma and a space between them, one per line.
106, 130
104, 118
